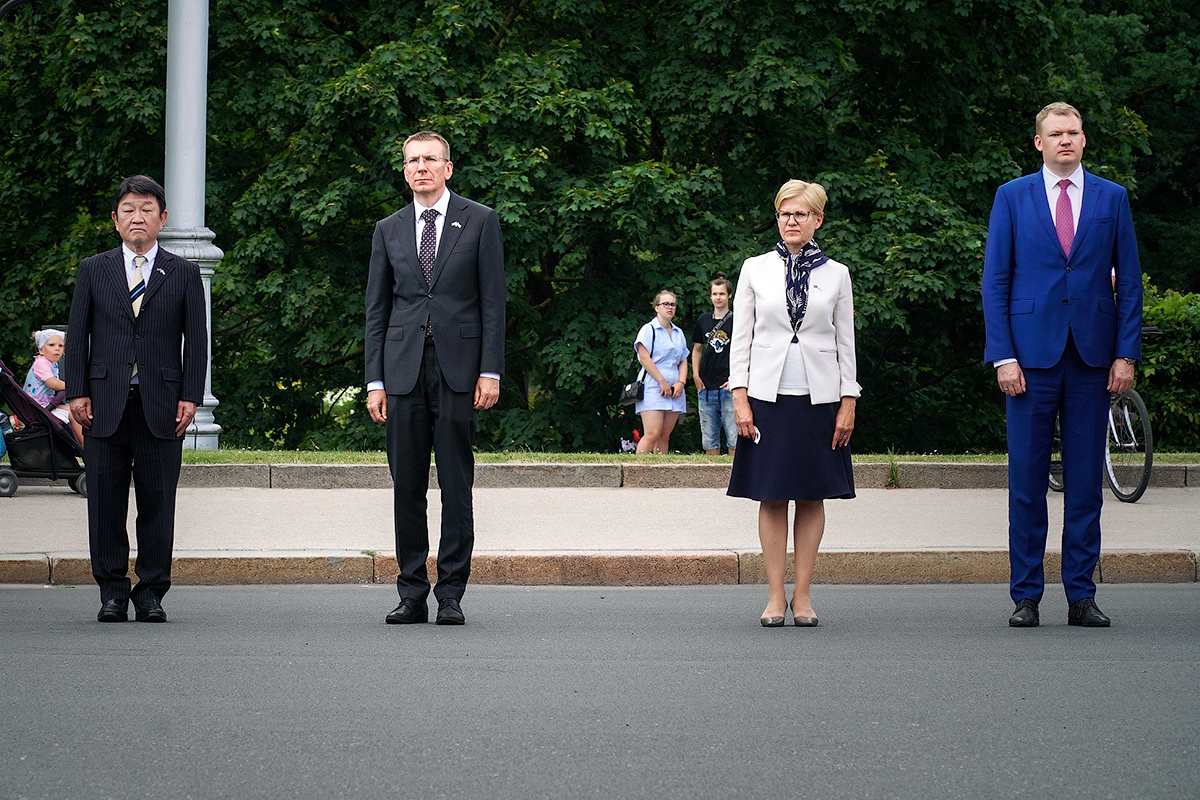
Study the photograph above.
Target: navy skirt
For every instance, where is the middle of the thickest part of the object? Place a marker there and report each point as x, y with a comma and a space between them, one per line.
792, 460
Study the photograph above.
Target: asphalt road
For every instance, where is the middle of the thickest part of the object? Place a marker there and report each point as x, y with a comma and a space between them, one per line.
554, 692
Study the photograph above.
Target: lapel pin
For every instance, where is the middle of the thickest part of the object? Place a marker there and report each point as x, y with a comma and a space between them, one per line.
160, 270
456, 224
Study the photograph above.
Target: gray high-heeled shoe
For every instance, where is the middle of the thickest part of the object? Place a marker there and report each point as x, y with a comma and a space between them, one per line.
801, 622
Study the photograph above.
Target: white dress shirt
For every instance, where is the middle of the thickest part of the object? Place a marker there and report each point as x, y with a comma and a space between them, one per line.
1074, 192
147, 270
442, 204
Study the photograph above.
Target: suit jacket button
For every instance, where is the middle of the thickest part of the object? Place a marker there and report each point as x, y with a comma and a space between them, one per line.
1064, 301
1068, 269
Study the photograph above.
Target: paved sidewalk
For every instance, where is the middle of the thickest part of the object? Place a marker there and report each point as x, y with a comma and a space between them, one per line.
602, 536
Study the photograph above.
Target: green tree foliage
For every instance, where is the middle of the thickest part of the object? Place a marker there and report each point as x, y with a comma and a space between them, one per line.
1146, 54
626, 147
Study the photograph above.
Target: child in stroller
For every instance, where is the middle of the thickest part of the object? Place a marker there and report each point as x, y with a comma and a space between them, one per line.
44, 447
43, 383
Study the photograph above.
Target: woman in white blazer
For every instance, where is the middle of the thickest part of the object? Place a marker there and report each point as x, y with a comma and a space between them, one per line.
792, 374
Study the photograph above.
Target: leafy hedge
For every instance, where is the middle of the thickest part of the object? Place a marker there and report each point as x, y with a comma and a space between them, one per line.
1169, 379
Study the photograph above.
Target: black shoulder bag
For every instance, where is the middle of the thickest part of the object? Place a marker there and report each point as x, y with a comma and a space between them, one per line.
635, 383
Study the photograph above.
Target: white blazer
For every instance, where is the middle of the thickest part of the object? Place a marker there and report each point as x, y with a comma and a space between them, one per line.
764, 331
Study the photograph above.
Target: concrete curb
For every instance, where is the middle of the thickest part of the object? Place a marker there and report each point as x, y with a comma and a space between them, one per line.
909, 474
607, 568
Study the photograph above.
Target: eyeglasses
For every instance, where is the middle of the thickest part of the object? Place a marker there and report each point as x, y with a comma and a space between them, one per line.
799, 216
667, 305
416, 161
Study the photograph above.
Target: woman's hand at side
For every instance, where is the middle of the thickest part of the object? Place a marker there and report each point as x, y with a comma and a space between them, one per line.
680, 385
742, 414
844, 425
651, 368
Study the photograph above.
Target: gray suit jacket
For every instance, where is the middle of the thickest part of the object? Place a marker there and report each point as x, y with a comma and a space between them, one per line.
168, 340
465, 300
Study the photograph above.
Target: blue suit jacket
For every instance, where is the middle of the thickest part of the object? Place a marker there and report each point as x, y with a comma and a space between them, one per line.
1033, 294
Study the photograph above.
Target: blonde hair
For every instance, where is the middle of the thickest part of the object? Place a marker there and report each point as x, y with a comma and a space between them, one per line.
1064, 109
658, 297
429, 136
813, 195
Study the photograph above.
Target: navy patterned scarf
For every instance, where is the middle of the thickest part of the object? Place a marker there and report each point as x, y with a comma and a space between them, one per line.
798, 268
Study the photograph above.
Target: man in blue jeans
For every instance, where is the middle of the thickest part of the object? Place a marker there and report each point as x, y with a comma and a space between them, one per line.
710, 365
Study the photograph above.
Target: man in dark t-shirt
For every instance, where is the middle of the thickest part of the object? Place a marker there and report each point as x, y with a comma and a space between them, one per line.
711, 338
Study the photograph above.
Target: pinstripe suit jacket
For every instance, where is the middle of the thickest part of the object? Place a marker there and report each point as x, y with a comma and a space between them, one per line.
168, 340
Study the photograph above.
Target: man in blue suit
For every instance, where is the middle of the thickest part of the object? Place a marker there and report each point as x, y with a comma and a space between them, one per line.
1059, 242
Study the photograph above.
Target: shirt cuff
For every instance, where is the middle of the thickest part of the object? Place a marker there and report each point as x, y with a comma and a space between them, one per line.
375, 386
1000, 362
493, 375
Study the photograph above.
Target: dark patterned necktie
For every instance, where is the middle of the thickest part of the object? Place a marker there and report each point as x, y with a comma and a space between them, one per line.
428, 251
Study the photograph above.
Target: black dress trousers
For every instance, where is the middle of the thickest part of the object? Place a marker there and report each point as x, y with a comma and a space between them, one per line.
432, 417
153, 463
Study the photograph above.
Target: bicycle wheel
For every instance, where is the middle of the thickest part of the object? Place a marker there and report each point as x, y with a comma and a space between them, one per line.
1056, 480
1130, 454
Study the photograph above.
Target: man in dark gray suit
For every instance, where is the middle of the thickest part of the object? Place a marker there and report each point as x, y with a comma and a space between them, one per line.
135, 373
434, 356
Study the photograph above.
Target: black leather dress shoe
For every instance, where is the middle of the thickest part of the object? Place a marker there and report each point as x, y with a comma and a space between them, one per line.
1084, 612
148, 609
1026, 615
113, 611
408, 612
449, 613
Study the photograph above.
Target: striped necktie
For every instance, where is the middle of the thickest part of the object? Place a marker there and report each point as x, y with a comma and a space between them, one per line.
137, 285
137, 288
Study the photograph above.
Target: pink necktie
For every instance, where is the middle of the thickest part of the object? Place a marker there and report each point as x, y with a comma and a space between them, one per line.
1063, 223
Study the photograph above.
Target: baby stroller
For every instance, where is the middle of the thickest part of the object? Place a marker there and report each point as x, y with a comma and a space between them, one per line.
44, 448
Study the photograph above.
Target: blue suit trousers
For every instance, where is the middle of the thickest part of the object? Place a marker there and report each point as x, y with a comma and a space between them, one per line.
1078, 395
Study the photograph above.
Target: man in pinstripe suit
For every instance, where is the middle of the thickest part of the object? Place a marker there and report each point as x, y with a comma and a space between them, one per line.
135, 373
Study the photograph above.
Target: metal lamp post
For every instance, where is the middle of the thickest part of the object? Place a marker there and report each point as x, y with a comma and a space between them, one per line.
185, 233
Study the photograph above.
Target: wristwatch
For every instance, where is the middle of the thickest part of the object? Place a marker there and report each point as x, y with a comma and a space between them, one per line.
1130, 361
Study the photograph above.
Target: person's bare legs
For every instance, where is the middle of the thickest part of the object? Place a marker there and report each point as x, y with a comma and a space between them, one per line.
664, 438
652, 423
773, 535
808, 528
656, 431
